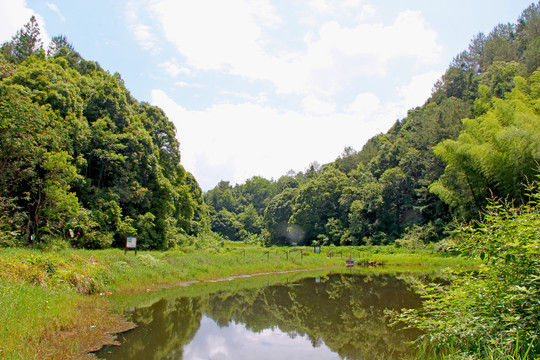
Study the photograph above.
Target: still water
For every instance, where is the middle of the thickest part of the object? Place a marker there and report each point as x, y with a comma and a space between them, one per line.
311, 316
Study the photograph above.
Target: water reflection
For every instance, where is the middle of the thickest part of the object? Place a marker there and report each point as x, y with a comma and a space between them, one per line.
329, 317
234, 341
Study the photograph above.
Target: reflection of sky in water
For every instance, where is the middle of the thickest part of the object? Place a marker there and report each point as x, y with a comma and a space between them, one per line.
236, 342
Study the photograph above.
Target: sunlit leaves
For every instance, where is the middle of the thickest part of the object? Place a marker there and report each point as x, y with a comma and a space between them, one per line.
496, 153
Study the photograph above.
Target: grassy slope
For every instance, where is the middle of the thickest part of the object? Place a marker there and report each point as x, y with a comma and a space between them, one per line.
45, 312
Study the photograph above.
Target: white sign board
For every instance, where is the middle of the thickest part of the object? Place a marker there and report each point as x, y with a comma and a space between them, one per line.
131, 242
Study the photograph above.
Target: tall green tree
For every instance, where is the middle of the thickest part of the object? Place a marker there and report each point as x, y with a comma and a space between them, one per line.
26, 42
318, 201
497, 153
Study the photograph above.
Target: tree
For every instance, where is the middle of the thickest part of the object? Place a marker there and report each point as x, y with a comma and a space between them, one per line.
25, 43
528, 32
317, 201
59, 46
225, 223
250, 220
493, 313
277, 215
258, 191
497, 152
27, 133
79, 153
500, 44
60, 205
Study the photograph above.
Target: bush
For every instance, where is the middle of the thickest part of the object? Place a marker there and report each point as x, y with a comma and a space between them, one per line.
494, 312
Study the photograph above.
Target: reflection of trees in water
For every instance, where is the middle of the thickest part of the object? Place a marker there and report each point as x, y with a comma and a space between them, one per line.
163, 330
346, 312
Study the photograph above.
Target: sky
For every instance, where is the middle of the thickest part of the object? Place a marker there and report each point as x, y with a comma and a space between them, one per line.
261, 87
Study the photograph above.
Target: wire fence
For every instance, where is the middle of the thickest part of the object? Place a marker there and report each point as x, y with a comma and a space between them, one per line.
350, 256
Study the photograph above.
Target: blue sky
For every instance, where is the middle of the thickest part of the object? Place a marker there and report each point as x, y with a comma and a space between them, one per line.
260, 87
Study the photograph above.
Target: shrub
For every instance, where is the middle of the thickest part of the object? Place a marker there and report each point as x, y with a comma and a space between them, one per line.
493, 312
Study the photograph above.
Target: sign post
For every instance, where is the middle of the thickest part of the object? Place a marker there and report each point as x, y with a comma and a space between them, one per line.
131, 243
317, 249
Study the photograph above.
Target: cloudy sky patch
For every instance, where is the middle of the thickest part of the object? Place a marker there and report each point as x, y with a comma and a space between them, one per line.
260, 87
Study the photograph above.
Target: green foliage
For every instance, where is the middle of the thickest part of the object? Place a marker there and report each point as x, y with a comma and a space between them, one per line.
277, 215
497, 310
397, 186
226, 223
317, 203
496, 153
81, 160
25, 43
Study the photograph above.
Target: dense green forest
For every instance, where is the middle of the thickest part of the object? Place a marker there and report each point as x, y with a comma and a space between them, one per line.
81, 160
477, 137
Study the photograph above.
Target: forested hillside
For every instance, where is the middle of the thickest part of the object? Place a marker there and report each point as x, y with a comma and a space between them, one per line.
476, 137
81, 160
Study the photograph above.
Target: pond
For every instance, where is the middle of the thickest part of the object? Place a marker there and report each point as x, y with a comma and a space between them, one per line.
315, 315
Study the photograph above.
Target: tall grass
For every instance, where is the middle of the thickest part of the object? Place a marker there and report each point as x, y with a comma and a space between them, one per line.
18, 329
45, 323
494, 350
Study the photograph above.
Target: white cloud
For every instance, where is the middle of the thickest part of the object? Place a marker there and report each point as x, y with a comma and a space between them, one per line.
364, 103
244, 140
259, 98
313, 105
212, 34
358, 9
142, 33
54, 8
366, 12
322, 6
173, 69
419, 89
14, 14
232, 36
182, 84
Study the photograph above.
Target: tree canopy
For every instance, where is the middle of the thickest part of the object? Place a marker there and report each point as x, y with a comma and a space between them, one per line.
81, 159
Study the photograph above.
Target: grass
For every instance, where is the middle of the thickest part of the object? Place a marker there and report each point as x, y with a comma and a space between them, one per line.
495, 351
45, 323
47, 313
